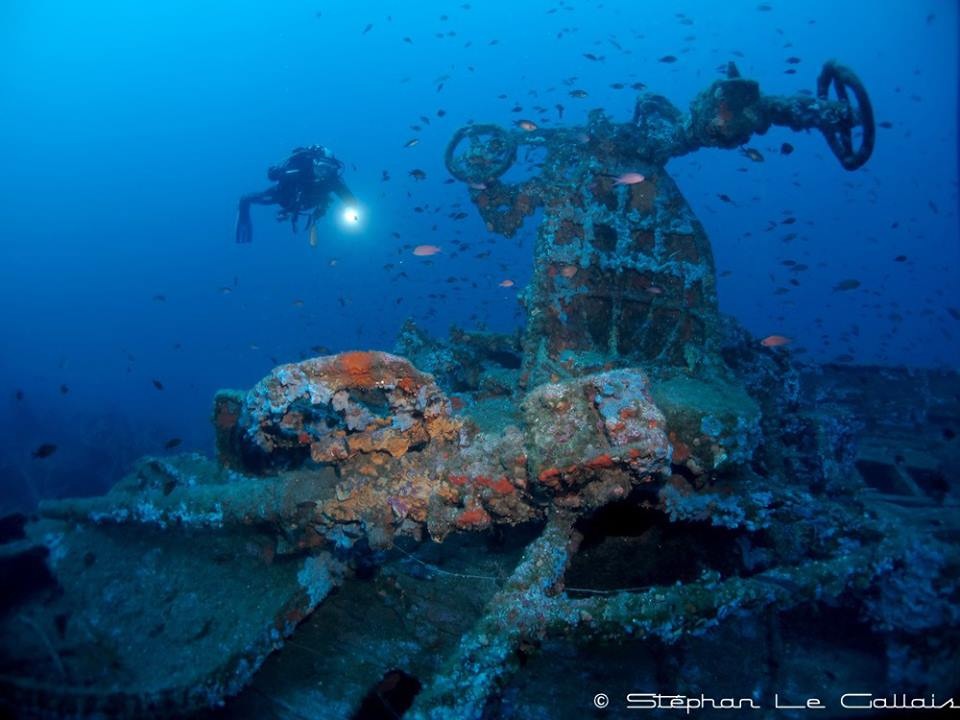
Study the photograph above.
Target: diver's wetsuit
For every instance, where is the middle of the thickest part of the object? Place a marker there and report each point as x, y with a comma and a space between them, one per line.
303, 183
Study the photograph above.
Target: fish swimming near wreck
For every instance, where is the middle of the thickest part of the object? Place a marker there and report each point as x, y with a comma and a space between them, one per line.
775, 341
603, 361
628, 178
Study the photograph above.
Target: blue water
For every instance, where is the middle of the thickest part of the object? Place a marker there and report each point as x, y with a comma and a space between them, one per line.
129, 130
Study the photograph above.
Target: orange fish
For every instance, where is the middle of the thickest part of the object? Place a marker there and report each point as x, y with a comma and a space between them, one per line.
506, 283
569, 271
425, 250
775, 341
528, 125
630, 178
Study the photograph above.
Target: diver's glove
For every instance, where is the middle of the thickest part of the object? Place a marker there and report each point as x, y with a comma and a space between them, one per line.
244, 231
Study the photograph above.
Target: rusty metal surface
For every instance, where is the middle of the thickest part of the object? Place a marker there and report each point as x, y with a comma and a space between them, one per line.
637, 435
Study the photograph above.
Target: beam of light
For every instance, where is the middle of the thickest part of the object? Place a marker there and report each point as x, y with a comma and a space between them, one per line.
351, 217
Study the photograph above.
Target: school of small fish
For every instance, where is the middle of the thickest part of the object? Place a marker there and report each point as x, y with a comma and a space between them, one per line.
455, 237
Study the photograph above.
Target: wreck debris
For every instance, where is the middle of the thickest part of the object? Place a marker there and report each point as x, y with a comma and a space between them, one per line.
628, 391
518, 611
334, 408
624, 273
215, 602
409, 468
532, 605
592, 439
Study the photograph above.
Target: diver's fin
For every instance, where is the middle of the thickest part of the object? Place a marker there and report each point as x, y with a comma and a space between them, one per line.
244, 230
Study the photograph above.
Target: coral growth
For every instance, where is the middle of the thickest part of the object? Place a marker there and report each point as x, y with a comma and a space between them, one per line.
697, 486
337, 407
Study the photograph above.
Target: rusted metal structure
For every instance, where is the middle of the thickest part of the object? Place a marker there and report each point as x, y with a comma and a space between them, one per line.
166, 595
624, 273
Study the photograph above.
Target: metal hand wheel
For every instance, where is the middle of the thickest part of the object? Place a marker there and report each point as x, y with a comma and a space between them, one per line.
491, 152
840, 138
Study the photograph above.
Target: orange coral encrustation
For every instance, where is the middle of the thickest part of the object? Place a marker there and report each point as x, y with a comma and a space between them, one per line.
358, 366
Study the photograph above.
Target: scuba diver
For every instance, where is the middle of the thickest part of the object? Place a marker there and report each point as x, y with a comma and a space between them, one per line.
303, 183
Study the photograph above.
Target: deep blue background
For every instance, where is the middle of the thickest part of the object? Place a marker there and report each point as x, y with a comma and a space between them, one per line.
130, 129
